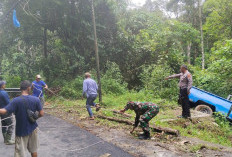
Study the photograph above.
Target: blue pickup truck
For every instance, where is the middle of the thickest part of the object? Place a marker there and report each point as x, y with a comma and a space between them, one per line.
208, 103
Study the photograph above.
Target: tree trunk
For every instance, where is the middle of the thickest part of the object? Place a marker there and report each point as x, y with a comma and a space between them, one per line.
96, 53
155, 128
195, 53
189, 52
202, 37
123, 114
45, 43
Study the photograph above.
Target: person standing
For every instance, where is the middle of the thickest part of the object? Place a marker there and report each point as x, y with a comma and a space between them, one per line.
185, 84
26, 131
37, 86
144, 113
90, 89
7, 120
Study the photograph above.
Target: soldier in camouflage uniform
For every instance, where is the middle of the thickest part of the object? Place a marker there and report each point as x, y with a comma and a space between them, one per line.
144, 113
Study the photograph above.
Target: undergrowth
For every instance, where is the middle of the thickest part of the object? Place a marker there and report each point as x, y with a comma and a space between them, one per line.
214, 130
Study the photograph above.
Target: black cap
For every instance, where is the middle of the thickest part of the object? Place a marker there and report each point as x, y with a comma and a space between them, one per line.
184, 66
2, 83
24, 85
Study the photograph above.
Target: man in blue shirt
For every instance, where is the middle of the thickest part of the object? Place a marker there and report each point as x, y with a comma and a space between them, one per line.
90, 88
7, 120
37, 86
26, 131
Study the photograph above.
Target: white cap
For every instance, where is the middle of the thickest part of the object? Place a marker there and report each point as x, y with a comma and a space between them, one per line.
38, 76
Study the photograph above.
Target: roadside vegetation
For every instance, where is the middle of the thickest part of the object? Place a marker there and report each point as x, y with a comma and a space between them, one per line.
207, 129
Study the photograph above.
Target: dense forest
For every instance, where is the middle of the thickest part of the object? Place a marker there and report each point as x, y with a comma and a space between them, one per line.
138, 46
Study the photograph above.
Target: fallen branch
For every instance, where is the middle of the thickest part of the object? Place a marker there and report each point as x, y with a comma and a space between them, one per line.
154, 128
116, 120
163, 146
166, 130
123, 114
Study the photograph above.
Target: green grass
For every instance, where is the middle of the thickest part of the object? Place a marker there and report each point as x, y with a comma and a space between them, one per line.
204, 129
197, 147
216, 134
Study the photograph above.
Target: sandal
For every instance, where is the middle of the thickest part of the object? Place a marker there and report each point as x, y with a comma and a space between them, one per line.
91, 118
98, 107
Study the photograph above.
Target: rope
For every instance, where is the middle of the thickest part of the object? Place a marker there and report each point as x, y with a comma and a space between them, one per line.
13, 6
37, 17
28, 12
57, 147
54, 144
61, 98
79, 149
38, 89
84, 107
44, 134
48, 90
62, 149
7, 118
7, 126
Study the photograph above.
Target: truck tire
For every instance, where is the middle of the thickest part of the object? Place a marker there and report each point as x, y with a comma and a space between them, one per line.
204, 109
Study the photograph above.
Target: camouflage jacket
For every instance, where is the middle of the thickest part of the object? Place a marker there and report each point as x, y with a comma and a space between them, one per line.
140, 108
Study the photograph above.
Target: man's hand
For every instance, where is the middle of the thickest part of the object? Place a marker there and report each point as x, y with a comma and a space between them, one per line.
188, 92
166, 78
41, 113
122, 111
3, 111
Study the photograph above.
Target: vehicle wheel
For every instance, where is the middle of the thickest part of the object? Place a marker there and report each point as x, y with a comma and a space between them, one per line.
204, 109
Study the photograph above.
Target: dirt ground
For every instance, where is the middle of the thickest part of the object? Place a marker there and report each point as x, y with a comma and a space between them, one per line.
160, 145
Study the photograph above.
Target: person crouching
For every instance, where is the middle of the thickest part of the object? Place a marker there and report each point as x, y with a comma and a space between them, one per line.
144, 113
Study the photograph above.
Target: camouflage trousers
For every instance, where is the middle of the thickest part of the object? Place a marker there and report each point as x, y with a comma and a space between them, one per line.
146, 117
7, 122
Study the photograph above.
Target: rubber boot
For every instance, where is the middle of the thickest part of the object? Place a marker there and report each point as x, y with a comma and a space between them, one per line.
148, 136
4, 137
9, 141
145, 136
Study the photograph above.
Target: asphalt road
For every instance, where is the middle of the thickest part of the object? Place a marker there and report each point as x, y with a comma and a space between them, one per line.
61, 139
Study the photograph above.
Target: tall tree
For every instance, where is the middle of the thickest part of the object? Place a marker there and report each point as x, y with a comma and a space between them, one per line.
202, 36
96, 51
218, 25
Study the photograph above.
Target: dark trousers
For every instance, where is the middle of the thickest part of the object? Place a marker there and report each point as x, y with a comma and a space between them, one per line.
7, 122
185, 103
90, 102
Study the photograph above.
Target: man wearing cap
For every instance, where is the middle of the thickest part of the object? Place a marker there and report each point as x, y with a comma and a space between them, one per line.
185, 84
7, 120
90, 89
38, 85
26, 131
145, 111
